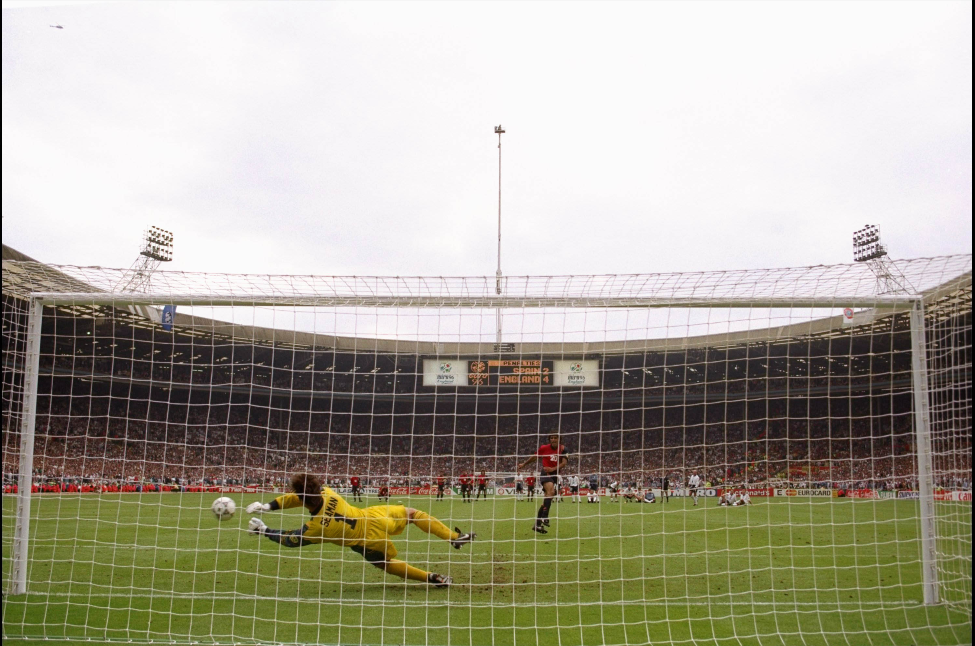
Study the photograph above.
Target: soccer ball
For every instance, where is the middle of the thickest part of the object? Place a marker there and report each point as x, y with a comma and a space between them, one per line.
223, 508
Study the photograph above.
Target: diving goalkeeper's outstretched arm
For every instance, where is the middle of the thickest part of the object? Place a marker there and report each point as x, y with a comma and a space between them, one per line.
288, 538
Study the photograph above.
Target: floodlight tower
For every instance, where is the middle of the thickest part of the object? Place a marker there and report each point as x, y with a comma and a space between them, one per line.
498, 130
157, 248
868, 248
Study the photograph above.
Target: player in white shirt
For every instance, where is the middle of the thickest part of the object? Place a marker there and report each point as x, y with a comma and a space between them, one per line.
742, 499
694, 484
592, 496
614, 489
735, 499
629, 493
574, 487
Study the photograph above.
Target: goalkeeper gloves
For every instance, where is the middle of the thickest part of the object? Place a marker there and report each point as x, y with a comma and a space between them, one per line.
256, 526
258, 508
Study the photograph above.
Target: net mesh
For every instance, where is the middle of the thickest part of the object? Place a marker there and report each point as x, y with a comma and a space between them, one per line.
752, 380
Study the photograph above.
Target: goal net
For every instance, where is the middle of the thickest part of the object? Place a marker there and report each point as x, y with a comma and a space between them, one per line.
751, 457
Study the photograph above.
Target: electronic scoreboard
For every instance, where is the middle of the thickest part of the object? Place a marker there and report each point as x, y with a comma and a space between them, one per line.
510, 372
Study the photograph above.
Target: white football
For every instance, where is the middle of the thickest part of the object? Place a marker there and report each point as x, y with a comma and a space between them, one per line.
223, 508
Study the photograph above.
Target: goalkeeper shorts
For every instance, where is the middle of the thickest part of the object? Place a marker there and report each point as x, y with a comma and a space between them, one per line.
382, 521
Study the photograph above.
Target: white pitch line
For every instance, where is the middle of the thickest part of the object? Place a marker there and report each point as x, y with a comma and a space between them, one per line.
222, 596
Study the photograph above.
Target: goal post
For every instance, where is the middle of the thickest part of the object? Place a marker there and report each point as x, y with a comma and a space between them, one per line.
18, 575
843, 417
922, 430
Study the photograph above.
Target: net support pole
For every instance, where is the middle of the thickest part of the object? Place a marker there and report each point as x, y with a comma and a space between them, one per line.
18, 574
922, 434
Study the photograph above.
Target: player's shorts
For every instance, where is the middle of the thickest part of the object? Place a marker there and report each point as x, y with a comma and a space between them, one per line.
518, 487
574, 489
382, 521
440, 488
553, 479
482, 487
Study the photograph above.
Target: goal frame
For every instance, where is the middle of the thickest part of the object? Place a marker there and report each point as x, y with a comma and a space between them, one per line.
889, 303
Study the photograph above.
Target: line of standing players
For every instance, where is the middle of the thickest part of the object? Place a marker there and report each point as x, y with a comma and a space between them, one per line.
553, 457
467, 483
356, 486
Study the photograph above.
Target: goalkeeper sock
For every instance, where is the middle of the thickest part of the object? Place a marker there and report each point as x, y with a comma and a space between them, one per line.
431, 525
405, 571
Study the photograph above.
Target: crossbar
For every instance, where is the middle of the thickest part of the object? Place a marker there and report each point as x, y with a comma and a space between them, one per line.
885, 302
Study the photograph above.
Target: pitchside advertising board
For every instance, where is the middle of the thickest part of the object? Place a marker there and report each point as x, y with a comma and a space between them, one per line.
510, 372
809, 493
953, 496
505, 490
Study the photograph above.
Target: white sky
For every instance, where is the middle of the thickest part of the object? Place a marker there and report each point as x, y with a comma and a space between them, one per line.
357, 138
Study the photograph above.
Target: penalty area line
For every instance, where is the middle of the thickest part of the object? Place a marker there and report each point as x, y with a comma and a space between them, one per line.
218, 596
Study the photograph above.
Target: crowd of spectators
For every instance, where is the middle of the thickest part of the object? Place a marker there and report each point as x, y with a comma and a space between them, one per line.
225, 445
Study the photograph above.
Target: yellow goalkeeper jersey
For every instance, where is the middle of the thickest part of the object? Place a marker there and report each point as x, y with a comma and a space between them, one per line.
336, 522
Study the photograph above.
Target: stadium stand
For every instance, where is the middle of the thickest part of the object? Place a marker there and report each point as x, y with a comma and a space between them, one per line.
215, 402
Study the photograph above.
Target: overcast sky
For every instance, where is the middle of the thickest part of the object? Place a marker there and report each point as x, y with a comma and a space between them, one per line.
357, 138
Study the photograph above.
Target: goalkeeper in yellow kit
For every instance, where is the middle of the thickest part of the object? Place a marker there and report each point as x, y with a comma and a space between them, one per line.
365, 531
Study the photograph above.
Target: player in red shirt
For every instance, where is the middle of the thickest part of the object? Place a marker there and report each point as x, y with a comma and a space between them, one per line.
554, 457
441, 483
356, 488
530, 486
465, 487
481, 485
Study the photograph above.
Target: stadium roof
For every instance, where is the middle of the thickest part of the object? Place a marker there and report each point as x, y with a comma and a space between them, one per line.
945, 279
9, 253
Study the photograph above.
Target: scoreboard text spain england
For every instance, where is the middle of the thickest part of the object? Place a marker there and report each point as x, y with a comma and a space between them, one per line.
511, 372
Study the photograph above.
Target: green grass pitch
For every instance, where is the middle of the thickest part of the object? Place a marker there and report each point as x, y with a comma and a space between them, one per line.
160, 568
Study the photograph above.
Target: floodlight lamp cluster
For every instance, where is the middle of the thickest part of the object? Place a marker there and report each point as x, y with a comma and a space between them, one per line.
158, 244
867, 244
